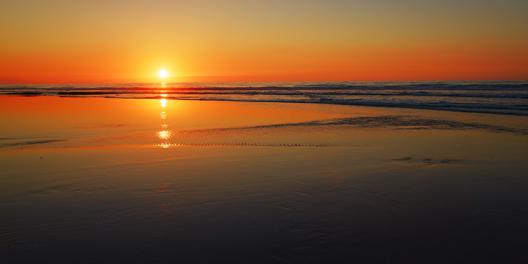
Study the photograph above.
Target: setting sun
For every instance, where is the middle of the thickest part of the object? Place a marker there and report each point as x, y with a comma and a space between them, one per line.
163, 74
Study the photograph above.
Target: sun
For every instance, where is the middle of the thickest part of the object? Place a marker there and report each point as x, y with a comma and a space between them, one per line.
163, 74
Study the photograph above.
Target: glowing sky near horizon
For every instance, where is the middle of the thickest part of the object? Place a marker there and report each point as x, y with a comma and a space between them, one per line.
46, 41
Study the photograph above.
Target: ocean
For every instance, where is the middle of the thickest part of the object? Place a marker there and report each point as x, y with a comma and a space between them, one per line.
479, 97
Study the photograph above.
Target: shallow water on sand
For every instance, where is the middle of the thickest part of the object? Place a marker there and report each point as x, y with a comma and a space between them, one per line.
91, 180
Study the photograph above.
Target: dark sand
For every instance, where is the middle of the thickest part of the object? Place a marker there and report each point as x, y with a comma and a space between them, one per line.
96, 180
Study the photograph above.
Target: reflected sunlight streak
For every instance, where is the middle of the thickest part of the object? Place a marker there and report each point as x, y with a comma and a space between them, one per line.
164, 134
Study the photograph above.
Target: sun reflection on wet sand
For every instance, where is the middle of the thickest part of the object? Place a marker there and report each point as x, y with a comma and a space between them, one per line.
164, 134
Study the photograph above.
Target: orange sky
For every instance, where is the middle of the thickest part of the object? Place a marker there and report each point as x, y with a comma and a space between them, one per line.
45, 41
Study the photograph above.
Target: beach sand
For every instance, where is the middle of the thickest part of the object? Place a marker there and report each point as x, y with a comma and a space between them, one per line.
96, 180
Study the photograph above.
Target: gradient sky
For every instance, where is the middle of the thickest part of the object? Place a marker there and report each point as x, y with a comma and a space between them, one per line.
46, 41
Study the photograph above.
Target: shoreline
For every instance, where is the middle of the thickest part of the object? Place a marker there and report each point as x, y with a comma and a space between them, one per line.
458, 110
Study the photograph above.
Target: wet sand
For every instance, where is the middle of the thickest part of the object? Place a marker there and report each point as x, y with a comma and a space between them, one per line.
96, 180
